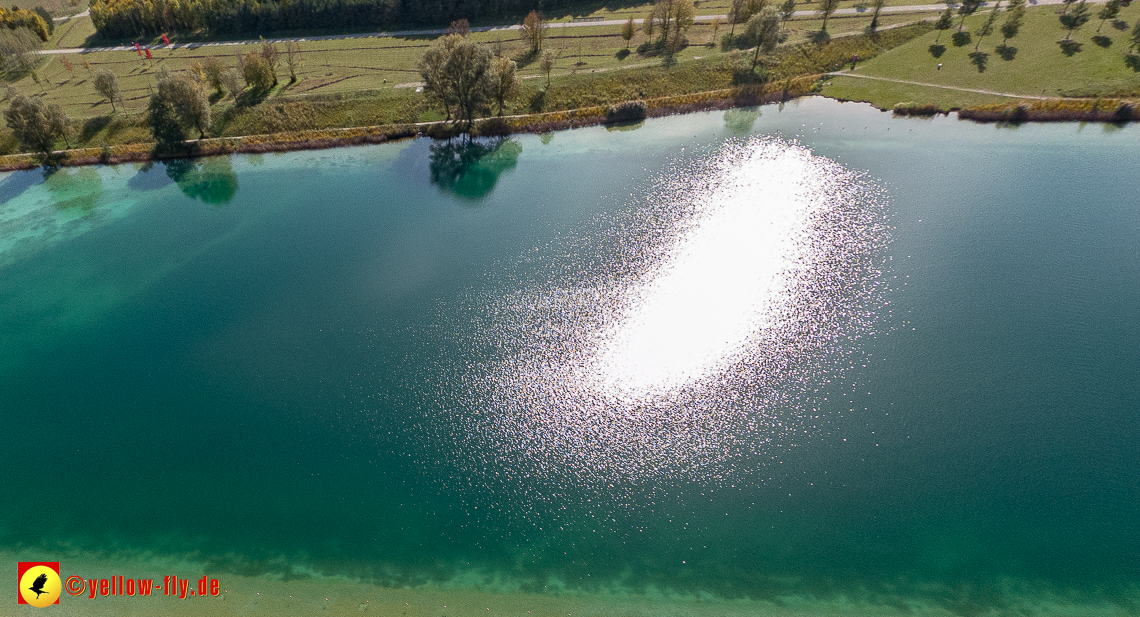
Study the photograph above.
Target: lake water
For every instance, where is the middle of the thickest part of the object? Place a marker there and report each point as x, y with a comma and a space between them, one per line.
809, 359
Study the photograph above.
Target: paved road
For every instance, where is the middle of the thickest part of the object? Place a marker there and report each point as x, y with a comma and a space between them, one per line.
585, 23
83, 14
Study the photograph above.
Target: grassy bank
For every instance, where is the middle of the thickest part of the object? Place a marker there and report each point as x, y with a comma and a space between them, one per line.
294, 108
1036, 63
332, 138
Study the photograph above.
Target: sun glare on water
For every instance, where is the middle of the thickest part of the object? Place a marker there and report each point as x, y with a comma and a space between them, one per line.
690, 346
724, 280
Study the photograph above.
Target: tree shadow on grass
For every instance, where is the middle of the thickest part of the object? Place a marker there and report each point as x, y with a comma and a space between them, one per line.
961, 39
652, 48
1102, 41
1069, 48
1007, 52
979, 59
820, 37
538, 101
622, 54
92, 127
1132, 62
1120, 24
937, 50
527, 58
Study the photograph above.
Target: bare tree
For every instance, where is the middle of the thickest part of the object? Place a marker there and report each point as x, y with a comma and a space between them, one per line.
462, 27
293, 58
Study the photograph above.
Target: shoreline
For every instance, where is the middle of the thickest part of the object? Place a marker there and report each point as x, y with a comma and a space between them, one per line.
1050, 110
299, 590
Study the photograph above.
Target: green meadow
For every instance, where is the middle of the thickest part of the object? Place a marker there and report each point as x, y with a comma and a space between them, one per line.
1094, 62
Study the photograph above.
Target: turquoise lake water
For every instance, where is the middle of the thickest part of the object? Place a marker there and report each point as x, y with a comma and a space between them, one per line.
812, 350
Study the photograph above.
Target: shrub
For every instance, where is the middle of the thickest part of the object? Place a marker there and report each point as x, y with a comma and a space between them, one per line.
629, 111
910, 108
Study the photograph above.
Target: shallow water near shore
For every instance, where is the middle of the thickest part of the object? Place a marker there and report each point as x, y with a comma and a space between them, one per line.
798, 360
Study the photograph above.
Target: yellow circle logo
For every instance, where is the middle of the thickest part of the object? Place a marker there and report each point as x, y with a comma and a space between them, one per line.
40, 586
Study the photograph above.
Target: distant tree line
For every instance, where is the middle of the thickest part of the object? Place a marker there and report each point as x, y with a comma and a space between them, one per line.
120, 19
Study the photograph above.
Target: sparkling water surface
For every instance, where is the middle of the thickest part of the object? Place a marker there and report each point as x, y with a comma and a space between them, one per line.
812, 351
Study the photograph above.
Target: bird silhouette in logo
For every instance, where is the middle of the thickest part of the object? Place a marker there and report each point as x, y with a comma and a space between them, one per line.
38, 585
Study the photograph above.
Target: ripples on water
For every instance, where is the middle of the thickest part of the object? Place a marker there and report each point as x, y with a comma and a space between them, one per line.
683, 340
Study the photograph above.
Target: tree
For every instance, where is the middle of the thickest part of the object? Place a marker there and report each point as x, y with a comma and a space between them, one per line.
17, 18
534, 29
107, 85
1110, 10
1135, 36
505, 80
873, 28
19, 50
458, 71
671, 19
293, 59
826, 8
734, 14
212, 70
36, 124
259, 75
433, 66
1076, 18
649, 24
1068, 4
188, 99
944, 23
232, 80
967, 8
787, 10
763, 31
750, 8
684, 16
163, 121
49, 21
1015, 15
272, 57
462, 27
546, 65
469, 71
627, 30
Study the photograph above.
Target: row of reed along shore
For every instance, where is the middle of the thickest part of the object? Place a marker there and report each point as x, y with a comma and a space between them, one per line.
1054, 110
